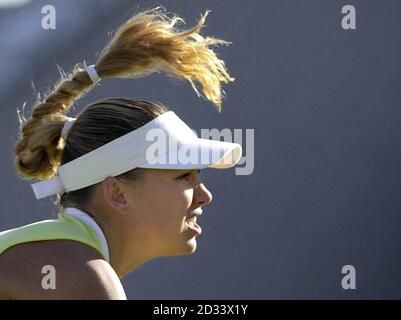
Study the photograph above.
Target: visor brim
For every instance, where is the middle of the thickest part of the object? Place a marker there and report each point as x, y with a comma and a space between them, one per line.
201, 153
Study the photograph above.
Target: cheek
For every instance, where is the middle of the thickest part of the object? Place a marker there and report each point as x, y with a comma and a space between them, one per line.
188, 196
176, 209
176, 206
167, 210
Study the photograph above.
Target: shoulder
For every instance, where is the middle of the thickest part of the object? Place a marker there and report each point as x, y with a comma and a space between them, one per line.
57, 269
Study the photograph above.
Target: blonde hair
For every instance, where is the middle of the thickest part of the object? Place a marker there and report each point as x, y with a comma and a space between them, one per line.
149, 41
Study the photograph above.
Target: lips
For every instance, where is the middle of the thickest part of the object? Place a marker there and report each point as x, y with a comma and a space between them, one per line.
191, 221
195, 214
194, 226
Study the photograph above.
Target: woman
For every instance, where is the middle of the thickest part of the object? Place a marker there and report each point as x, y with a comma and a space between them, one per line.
125, 197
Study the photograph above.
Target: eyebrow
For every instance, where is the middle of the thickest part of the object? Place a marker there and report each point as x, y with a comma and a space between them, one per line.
188, 171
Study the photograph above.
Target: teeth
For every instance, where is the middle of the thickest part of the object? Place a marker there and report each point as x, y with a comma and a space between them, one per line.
191, 223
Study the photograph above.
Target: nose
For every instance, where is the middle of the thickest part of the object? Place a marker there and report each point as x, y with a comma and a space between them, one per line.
202, 195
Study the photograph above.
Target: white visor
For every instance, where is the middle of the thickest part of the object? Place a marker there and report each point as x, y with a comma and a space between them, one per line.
163, 143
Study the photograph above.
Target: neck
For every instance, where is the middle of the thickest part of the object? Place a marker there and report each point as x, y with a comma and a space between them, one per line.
125, 255
126, 252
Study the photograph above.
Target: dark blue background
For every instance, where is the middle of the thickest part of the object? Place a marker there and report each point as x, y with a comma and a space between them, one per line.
325, 106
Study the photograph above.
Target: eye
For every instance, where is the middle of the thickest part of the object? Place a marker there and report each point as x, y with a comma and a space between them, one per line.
187, 175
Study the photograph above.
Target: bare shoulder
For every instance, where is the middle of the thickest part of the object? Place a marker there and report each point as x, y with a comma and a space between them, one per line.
57, 269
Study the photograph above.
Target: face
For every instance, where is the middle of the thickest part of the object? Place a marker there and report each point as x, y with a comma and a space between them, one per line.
165, 206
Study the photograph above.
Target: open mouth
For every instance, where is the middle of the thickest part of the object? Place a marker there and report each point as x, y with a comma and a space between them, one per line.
194, 226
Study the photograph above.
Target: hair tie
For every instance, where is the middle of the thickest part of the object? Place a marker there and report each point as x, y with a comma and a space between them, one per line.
67, 125
91, 70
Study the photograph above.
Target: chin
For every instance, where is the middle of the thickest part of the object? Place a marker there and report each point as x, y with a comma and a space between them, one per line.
188, 247
191, 245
